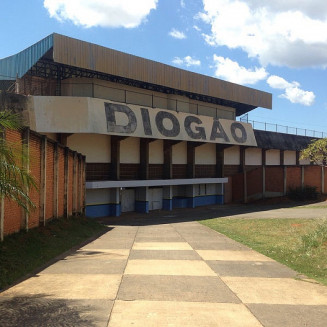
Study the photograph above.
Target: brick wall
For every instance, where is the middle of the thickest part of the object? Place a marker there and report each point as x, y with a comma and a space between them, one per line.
276, 178
14, 218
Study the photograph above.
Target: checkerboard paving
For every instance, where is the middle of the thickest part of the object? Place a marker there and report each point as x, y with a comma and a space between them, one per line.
177, 274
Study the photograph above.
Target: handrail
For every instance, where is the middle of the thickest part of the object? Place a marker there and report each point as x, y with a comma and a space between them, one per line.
269, 127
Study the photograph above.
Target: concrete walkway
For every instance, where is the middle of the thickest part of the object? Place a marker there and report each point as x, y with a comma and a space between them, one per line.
164, 270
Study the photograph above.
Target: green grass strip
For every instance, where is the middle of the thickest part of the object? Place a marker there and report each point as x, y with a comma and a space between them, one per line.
24, 252
300, 244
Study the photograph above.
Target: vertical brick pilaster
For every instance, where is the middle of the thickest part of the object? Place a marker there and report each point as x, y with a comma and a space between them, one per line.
55, 181
26, 165
66, 179
43, 181
74, 186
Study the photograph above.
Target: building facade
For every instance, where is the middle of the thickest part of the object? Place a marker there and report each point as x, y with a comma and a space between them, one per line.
154, 136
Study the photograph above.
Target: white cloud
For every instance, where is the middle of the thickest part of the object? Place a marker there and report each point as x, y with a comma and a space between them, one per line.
105, 13
292, 91
277, 32
197, 28
186, 61
231, 71
182, 3
177, 34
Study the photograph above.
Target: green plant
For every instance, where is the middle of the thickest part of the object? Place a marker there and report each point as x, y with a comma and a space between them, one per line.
316, 152
303, 194
315, 239
15, 179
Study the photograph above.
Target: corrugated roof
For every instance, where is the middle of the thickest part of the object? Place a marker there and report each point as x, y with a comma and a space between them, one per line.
19, 64
83, 55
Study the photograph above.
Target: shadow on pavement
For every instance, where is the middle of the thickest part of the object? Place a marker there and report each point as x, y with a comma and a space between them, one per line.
37, 310
158, 217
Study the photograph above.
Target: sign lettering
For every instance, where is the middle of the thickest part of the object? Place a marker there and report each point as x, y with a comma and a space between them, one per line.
165, 124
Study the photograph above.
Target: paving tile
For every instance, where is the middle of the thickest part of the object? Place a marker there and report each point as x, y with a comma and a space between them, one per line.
162, 246
68, 286
164, 255
277, 290
176, 314
251, 269
161, 238
175, 288
274, 315
228, 255
168, 267
87, 266
38, 310
205, 245
110, 245
99, 254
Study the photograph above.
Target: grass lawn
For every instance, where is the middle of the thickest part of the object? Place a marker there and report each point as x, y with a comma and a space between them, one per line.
24, 252
300, 244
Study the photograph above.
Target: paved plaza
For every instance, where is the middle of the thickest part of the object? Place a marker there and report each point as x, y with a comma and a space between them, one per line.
165, 269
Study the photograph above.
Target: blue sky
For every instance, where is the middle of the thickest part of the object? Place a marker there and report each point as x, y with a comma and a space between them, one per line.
276, 46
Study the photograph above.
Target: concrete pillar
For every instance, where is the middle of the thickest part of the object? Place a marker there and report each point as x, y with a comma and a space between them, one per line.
144, 158
168, 156
220, 160
115, 156
282, 158
243, 170
167, 198
302, 176
142, 199
189, 192
43, 182
115, 198
297, 156
263, 160
191, 159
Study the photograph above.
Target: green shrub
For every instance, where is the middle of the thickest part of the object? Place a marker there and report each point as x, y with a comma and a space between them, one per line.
303, 194
316, 239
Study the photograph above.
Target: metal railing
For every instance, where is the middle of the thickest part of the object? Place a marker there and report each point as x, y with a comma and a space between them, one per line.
269, 127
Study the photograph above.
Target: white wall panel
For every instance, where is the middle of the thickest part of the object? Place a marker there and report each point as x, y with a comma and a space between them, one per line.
180, 153
290, 158
96, 147
130, 150
156, 152
205, 154
272, 157
253, 157
232, 155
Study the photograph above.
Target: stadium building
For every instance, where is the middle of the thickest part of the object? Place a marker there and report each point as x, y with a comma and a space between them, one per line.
154, 136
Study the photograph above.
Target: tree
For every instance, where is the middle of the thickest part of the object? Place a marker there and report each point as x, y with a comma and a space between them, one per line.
316, 152
15, 179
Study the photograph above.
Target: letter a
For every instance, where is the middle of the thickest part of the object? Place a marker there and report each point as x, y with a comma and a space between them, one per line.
218, 132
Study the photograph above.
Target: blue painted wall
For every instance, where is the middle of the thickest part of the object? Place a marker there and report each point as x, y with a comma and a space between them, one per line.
103, 210
142, 206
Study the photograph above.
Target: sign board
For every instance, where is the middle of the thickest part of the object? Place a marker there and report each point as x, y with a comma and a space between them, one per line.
98, 116
131, 120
